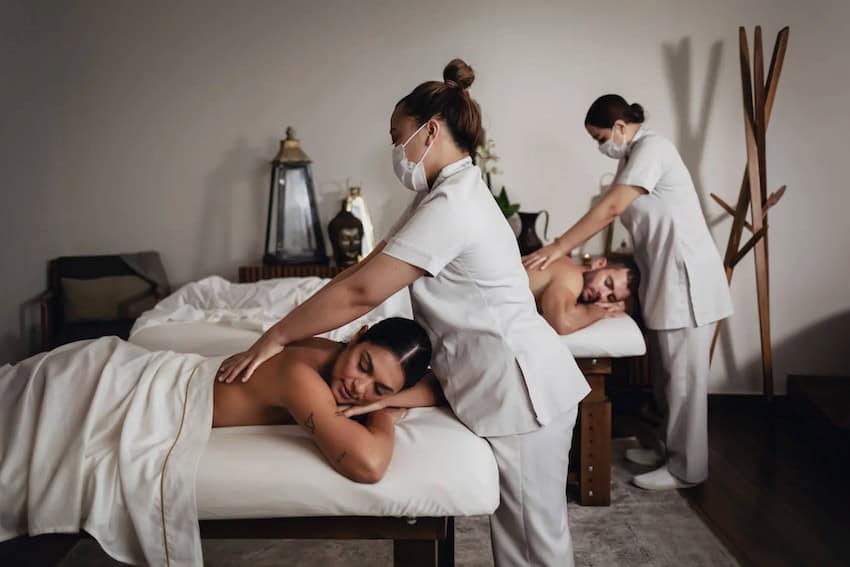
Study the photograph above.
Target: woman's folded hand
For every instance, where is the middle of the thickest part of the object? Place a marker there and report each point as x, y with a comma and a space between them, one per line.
352, 410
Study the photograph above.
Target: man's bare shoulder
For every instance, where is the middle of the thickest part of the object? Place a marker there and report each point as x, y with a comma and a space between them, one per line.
565, 273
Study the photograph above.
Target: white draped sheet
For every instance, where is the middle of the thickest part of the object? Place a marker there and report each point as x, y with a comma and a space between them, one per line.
105, 436
256, 306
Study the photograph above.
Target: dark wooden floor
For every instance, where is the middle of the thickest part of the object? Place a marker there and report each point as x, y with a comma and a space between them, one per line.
779, 490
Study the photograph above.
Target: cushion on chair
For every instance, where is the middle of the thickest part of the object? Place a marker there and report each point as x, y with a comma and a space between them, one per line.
100, 305
106, 299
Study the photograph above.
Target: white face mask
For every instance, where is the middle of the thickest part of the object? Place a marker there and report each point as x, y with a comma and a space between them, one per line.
612, 150
411, 174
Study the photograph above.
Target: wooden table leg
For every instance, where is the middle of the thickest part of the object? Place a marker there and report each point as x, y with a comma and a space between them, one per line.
594, 475
415, 553
595, 459
446, 547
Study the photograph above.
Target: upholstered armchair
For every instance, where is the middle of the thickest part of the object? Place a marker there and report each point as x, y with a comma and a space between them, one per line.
94, 296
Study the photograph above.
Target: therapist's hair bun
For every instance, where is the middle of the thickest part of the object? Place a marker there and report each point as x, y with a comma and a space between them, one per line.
458, 73
609, 108
635, 113
450, 101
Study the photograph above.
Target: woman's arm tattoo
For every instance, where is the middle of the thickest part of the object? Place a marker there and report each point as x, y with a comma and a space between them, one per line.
310, 424
340, 458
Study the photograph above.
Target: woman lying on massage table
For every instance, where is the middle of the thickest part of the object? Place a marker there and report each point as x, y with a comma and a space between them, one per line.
105, 436
319, 383
310, 383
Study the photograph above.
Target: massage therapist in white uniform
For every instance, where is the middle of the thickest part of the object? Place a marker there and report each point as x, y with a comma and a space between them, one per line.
683, 290
504, 371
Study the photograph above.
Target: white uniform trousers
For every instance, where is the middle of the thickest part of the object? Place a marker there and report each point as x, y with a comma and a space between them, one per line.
530, 526
680, 383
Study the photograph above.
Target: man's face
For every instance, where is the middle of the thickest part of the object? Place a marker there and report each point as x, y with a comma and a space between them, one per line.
609, 285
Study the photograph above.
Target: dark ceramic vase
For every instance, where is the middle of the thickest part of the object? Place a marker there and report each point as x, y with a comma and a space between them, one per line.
528, 240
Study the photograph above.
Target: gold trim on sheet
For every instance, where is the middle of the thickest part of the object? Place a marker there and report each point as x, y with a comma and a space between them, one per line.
165, 464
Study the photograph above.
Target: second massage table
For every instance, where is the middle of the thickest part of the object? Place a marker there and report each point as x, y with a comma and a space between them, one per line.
595, 349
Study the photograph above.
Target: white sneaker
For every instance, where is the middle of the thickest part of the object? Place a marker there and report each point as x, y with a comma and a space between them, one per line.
646, 457
660, 479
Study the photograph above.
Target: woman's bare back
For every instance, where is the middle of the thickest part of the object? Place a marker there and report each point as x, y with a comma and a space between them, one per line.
258, 401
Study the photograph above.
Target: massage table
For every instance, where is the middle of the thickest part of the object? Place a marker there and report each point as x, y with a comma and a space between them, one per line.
271, 482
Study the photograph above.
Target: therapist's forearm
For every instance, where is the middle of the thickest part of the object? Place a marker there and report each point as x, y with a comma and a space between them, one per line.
351, 270
612, 205
331, 307
342, 302
592, 222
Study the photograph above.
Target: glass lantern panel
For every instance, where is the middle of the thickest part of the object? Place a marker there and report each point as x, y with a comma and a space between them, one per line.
295, 233
272, 245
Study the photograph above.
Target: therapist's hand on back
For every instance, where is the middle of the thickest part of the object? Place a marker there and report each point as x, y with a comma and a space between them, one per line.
242, 365
545, 256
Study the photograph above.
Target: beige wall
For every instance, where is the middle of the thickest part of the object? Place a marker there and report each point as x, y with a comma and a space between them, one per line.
148, 125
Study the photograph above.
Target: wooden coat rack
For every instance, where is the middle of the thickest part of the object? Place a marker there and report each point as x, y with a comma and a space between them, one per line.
758, 103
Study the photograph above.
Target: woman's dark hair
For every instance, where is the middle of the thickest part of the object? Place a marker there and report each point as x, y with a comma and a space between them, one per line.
407, 340
450, 101
609, 108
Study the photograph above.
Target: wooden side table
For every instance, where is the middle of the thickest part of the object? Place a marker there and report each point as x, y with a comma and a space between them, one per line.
257, 272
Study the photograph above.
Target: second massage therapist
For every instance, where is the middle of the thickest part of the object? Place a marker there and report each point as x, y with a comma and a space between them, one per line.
683, 290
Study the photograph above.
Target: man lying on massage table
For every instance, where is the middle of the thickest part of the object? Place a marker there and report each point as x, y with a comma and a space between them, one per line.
571, 297
313, 382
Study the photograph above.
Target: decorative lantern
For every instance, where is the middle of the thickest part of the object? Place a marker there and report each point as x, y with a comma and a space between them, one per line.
293, 233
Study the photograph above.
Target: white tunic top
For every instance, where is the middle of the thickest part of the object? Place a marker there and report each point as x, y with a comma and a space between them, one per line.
683, 283
503, 369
